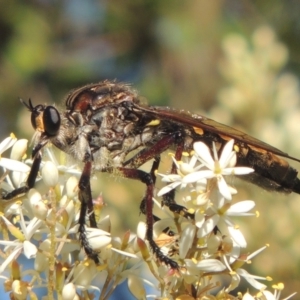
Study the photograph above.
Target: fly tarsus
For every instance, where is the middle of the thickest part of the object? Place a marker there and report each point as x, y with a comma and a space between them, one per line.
30, 180
86, 245
180, 210
162, 257
19, 191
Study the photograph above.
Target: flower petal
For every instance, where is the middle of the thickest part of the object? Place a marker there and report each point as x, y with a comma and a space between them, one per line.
7, 143
251, 279
196, 176
237, 171
208, 226
10, 258
19, 149
166, 189
13, 165
237, 236
235, 281
199, 218
98, 238
141, 230
50, 174
30, 249
170, 177
240, 207
211, 265
226, 154
204, 154
223, 188
186, 240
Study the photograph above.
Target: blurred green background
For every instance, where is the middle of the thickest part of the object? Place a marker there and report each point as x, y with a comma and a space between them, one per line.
236, 61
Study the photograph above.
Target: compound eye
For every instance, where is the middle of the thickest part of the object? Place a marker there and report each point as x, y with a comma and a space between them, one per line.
51, 120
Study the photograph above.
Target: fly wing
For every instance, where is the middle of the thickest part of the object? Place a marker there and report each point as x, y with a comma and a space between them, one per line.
206, 124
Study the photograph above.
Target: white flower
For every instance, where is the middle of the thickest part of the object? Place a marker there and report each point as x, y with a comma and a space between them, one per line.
206, 265
251, 279
176, 180
7, 143
216, 168
236, 260
222, 210
23, 243
200, 244
8, 163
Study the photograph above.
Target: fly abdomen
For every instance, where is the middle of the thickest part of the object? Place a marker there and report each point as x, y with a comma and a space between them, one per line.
271, 171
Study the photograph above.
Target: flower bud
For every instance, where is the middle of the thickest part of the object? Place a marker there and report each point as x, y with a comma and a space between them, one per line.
69, 291
19, 149
136, 287
72, 187
50, 174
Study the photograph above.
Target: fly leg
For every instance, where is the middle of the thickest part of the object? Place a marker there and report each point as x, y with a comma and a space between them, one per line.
37, 159
86, 205
85, 197
153, 151
147, 179
168, 199
30, 180
154, 168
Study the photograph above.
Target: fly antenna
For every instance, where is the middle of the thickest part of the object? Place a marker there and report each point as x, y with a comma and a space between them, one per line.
28, 105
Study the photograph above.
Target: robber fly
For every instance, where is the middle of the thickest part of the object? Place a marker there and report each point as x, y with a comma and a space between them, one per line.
108, 128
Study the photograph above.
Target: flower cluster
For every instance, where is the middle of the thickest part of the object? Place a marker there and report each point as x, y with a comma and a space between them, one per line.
205, 240
42, 226
211, 245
